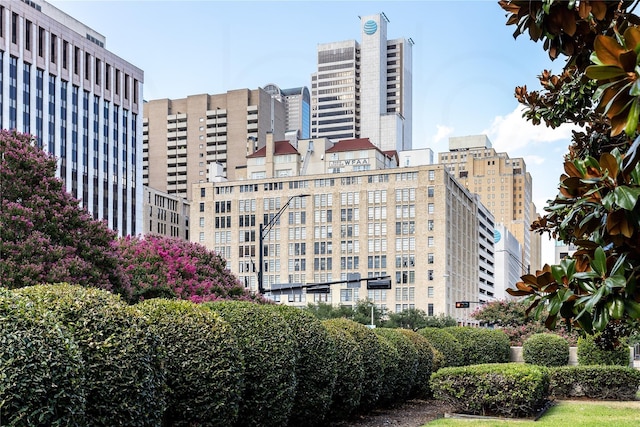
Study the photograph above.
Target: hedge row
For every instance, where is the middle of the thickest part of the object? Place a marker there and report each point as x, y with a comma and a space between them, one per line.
505, 389
76, 356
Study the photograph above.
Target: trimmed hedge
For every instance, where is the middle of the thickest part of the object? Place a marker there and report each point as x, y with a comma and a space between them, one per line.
371, 360
546, 350
595, 382
481, 345
398, 386
204, 368
446, 344
425, 355
316, 368
502, 389
41, 375
125, 383
266, 344
590, 354
347, 390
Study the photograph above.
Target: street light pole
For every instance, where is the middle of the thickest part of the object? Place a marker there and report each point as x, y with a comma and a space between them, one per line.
263, 231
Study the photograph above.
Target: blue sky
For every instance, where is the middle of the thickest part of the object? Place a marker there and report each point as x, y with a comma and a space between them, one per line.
466, 62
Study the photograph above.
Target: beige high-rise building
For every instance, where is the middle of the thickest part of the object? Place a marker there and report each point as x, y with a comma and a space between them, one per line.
165, 214
358, 214
183, 139
503, 184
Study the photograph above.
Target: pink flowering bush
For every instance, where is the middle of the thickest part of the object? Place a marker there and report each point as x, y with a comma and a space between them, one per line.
158, 266
45, 236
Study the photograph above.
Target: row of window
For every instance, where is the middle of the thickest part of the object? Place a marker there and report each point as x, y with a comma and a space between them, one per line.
71, 57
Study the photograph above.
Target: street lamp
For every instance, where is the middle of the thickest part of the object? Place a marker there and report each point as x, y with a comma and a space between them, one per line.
263, 231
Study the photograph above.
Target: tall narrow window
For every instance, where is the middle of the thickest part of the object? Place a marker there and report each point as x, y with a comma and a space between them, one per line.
27, 35
41, 42
107, 77
53, 50
76, 60
87, 65
98, 71
13, 92
117, 82
14, 28
26, 98
65, 54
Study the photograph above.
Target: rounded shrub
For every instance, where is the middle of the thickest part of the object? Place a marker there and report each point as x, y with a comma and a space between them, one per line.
125, 383
371, 360
589, 353
316, 368
546, 350
390, 371
266, 344
347, 390
481, 345
446, 344
41, 376
203, 365
424, 354
407, 366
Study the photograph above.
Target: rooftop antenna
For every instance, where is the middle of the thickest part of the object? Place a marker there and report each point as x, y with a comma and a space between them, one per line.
384, 16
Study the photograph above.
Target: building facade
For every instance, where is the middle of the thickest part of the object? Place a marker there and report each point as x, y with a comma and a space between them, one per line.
503, 184
297, 106
81, 102
165, 214
508, 258
185, 138
364, 89
417, 225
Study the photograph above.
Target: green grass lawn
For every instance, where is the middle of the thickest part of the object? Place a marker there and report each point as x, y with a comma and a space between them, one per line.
565, 413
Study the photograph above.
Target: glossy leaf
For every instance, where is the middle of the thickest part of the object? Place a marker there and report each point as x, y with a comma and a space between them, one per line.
626, 197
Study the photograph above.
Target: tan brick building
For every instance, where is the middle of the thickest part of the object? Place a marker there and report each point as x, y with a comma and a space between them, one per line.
362, 215
184, 138
503, 184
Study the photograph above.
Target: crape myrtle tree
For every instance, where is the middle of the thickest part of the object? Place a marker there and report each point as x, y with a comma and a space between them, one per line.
596, 208
45, 236
158, 266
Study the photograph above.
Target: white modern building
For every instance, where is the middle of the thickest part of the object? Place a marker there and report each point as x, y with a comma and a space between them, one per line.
81, 102
508, 258
364, 89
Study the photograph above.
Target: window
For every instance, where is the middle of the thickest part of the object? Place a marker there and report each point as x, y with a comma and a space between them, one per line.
430, 309
430, 258
53, 50
430, 241
76, 60
430, 291
201, 206
202, 192
430, 208
40, 42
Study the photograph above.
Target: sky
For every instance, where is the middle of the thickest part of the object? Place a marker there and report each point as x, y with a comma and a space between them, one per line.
466, 62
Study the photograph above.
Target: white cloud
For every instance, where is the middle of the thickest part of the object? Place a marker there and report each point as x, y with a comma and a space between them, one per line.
512, 133
443, 133
533, 159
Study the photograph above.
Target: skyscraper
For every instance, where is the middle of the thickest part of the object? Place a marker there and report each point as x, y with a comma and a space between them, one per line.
297, 106
82, 104
185, 139
504, 186
364, 90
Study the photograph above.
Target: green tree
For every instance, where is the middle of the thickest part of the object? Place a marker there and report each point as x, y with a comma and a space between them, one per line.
45, 236
596, 208
414, 319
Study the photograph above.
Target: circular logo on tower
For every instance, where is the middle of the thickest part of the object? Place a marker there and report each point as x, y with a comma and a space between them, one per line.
496, 236
370, 27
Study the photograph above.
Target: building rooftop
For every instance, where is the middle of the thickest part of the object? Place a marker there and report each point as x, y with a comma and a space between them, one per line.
281, 148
